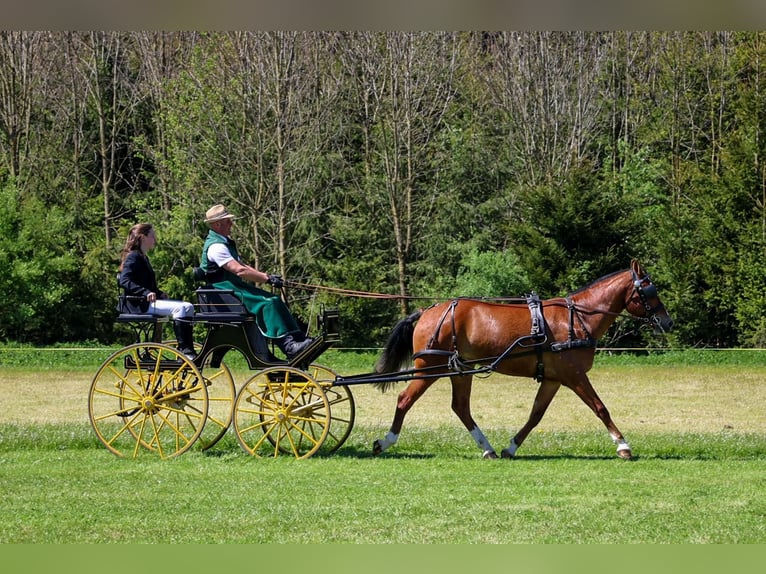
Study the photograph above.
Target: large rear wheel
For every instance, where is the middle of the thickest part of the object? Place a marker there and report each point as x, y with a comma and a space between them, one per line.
221, 393
147, 398
342, 408
281, 410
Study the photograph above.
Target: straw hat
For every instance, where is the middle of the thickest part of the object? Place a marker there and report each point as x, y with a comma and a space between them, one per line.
217, 213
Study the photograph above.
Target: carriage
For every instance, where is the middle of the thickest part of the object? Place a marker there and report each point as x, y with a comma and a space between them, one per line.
148, 398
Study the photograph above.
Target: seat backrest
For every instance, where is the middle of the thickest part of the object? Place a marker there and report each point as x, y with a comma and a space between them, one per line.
204, 278
219, 302
199, 275
123, 299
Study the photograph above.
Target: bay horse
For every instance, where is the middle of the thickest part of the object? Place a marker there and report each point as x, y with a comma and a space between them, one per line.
552, 340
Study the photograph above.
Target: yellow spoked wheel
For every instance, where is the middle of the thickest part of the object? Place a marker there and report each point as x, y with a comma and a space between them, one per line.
221, 393
148, 398
281, 410
342, 408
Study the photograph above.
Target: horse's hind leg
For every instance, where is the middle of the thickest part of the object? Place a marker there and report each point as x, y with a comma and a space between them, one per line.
543, 398
404, 403
583, 389
461, 406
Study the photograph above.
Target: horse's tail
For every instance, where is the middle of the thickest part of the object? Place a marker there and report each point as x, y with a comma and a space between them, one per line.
398, 349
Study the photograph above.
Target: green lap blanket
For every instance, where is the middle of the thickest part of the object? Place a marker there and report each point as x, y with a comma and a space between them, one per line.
271, 314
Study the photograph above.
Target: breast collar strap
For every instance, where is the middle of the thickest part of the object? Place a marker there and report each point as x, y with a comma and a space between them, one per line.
572, 342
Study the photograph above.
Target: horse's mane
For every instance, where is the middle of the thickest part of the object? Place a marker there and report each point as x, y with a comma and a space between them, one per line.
599, 280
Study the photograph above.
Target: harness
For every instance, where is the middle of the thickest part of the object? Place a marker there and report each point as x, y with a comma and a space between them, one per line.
537, 332
572, 342
454, 361
537, 337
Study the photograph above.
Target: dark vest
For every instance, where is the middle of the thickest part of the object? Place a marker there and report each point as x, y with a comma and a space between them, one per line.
214, 273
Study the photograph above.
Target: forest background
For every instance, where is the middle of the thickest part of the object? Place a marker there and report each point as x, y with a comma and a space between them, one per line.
418, 164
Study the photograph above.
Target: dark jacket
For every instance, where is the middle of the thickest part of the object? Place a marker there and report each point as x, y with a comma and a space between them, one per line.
137, 279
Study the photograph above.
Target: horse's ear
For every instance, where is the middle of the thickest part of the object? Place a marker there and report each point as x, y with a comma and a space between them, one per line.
636, 267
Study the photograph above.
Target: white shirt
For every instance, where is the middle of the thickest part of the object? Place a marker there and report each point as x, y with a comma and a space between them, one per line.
219, 254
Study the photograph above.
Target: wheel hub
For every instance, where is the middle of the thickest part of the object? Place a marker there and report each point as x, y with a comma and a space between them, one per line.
148, 404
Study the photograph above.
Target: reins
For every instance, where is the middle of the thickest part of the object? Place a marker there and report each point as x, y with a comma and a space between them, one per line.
373, 295
350, 292
564, 301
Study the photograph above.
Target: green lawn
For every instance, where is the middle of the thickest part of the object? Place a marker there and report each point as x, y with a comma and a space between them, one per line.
567, 487
698, 434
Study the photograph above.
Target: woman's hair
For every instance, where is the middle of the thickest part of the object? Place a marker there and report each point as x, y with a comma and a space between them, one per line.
133, 243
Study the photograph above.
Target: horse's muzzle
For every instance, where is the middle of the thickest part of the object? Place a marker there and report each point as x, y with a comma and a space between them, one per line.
662, 323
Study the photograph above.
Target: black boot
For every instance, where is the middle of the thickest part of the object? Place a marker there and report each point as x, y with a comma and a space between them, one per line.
293, 344
184, 331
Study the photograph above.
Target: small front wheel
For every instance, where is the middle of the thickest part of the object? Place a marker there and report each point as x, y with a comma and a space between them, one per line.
281, 410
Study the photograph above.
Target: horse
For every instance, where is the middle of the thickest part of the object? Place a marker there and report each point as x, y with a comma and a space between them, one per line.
552, 340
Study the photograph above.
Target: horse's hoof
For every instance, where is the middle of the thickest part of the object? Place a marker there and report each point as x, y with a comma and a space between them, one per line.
489, 454
625, 454
505, 453
376, 448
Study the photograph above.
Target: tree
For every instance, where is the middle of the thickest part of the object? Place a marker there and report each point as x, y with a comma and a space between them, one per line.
21, 58
416, 164
546, 85
404, 86
108, 83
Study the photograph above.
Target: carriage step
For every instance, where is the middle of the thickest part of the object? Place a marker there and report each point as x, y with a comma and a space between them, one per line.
314, 350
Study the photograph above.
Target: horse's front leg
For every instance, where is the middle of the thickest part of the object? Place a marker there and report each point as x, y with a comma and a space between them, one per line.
461, 406
543, 398
583, 389
404, 403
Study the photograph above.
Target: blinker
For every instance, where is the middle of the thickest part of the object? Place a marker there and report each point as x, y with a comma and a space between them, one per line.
650, 291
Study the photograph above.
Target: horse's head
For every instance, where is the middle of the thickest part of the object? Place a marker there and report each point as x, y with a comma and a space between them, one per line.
644, 301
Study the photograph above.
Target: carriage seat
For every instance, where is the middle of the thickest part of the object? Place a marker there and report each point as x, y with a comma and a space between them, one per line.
219, 304
125, 315
145, 326
215, 304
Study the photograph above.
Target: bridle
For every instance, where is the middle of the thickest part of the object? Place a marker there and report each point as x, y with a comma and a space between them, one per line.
645, 294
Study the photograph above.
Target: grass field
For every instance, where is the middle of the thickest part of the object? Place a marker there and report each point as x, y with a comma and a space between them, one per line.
696, 427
